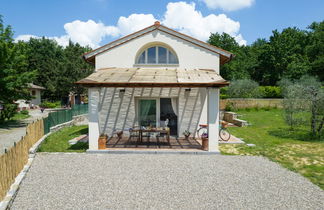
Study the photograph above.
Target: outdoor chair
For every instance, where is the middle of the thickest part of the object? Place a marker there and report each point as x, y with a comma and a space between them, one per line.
134, 132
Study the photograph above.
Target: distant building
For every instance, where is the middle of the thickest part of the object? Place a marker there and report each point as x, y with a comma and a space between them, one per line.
35, 92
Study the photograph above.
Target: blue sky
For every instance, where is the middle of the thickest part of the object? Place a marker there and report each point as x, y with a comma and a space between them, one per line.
246, 20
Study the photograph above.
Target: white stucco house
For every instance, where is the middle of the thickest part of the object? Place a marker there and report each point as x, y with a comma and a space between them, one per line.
152, 75
35, 92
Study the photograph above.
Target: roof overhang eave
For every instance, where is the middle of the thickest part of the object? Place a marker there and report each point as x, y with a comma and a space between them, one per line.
150, 85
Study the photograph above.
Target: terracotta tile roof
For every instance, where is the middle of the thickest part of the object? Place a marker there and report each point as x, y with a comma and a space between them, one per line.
154, 77
225, 56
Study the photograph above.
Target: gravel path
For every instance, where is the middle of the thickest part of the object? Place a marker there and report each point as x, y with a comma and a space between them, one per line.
107, 181
13, 133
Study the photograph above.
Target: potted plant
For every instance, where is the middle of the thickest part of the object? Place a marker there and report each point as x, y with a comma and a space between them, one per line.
102, 141
186, 133
204, 139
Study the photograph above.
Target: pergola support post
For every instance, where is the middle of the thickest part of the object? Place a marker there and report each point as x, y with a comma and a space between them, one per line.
213, 118
93, 118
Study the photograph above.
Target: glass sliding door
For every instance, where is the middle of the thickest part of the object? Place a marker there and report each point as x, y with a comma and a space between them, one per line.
169, 113
147, 112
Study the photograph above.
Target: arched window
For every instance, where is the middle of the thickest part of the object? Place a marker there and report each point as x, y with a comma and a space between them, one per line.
157, 55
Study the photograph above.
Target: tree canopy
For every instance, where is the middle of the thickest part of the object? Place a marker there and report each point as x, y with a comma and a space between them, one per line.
290, 54
14, 74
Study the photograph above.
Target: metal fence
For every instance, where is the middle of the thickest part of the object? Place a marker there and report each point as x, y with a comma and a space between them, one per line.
62, 116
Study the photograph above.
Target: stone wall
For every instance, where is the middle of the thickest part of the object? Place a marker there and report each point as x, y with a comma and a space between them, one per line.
77, 120
241, 103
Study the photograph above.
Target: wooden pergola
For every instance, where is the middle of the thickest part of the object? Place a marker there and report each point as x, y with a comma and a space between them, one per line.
153, 77
158, 77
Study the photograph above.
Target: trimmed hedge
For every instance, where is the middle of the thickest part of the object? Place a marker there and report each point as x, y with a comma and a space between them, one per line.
265, 92
47, 104
271, 91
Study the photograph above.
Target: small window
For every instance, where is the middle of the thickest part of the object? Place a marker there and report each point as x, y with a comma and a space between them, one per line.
33, 92
157, 55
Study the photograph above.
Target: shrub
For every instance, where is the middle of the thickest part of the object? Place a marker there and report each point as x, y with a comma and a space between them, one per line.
24, 112
230, 107
48, 104
270, 91
223, 93
8, 111
244, 88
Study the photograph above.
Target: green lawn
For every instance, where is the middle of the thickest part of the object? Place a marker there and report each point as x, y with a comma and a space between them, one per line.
293, 149
19, 116
58, 141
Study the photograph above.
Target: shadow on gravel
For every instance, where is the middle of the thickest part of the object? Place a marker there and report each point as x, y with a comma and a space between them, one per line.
13, 124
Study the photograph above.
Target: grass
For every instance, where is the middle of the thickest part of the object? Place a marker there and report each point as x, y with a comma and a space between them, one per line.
294, 149
19, 116
58, 141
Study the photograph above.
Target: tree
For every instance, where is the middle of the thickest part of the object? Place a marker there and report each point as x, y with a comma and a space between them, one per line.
57, 67
14, 76
74, 69
243, 88
283, 56
238, 67
45, 57
304, 96
315, 50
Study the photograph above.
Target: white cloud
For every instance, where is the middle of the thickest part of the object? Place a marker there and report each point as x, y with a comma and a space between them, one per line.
228, 5
85, 33
239, 39
185, 18
181, 16
88, 33
25, 37
134, 22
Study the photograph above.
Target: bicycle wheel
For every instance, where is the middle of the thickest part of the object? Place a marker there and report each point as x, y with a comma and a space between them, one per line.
200, 131
224, 134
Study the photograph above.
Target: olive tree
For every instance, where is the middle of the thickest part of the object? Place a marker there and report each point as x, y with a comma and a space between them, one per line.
302, 99
244, 88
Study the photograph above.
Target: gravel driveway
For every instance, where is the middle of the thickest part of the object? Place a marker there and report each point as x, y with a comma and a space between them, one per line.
133, 181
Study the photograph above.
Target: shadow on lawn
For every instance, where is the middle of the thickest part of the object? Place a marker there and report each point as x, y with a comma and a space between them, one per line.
79, 146
296, 134
80, 132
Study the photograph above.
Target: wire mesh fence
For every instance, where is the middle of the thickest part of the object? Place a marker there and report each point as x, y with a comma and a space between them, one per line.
62, 116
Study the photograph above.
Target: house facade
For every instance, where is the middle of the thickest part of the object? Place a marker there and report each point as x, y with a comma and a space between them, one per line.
155, 77
35, 92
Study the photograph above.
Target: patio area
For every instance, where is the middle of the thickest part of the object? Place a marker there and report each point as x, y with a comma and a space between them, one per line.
162, 143
154, 143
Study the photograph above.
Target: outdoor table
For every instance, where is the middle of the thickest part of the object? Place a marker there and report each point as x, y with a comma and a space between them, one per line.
154, 130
